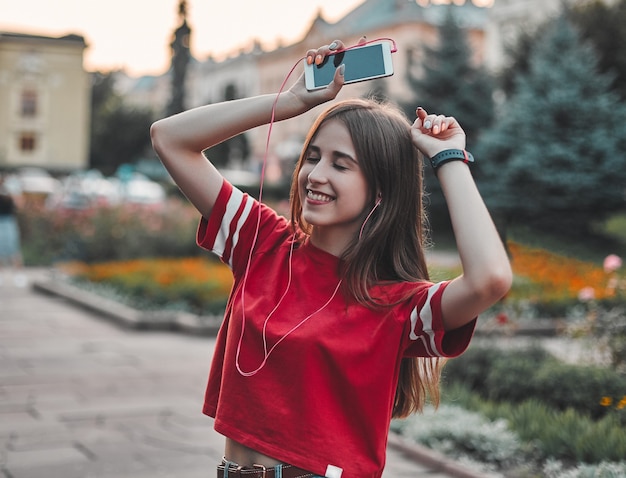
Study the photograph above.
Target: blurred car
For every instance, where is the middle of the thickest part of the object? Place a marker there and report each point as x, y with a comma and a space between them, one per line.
139, 189
37, 181
85, 189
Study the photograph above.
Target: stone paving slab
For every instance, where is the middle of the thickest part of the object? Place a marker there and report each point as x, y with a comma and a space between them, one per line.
83, 397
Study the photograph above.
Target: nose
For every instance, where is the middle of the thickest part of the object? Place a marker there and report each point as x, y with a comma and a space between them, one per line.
317, 174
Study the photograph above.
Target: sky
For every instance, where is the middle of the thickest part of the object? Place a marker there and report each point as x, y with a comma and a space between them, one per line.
134, 35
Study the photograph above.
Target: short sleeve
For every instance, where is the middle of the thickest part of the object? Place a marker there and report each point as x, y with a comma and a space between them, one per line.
238, 224
425, 335
221, 231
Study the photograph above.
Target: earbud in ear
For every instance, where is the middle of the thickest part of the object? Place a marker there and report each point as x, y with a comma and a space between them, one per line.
379, 198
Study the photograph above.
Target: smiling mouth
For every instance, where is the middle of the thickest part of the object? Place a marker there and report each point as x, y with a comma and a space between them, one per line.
319, 197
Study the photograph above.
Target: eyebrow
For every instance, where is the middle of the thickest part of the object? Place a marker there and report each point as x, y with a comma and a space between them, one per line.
336, 154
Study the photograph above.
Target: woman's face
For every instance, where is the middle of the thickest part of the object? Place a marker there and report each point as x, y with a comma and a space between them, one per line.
332, 187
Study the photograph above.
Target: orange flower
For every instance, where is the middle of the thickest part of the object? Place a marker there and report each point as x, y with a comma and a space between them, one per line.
555, 276
164, 272
606, 401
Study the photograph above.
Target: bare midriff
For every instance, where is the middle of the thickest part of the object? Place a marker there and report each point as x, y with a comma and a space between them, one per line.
244, 456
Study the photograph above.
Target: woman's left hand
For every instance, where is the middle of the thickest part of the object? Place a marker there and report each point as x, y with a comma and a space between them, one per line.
435, 133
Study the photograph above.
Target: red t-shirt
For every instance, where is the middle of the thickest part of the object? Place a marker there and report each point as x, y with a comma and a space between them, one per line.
325, 394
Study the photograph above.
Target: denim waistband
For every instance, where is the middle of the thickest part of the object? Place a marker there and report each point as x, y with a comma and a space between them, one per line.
230, 469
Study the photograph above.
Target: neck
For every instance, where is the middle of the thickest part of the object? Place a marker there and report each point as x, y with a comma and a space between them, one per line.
330, 241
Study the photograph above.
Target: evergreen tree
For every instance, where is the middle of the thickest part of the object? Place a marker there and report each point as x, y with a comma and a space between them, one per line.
602, 24
119, 133
555, 156
605, 26
450, 84
518, 58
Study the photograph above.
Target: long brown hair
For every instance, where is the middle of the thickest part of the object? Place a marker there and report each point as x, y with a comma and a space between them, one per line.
391, 248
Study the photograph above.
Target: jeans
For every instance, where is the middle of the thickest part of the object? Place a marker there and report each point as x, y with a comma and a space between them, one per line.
278, 469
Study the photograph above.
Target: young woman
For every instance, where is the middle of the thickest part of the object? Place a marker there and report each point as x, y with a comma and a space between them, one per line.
332, 327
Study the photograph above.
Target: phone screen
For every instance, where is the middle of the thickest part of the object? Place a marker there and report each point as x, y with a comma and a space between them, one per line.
366, 62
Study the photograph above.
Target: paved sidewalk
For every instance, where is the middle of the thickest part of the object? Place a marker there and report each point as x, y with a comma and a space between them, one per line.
82, 397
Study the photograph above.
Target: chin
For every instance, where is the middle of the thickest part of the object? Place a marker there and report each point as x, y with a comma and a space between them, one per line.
309, 218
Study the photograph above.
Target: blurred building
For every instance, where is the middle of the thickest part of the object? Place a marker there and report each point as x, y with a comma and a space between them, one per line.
45, 98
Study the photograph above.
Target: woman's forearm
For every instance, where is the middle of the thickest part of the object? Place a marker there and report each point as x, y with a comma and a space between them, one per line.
486, 270
206, 126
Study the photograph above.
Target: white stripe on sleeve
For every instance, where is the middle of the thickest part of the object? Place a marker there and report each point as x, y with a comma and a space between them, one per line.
242, 220
232, 206
426, 317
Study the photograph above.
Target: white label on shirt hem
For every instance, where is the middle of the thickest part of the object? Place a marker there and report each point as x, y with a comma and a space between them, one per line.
333, 471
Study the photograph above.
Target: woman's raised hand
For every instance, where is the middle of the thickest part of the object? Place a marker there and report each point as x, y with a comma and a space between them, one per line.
435, 133
309, 99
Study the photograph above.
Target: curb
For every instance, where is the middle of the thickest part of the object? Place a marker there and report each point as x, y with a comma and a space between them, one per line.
433, 459
126, 316
134, 319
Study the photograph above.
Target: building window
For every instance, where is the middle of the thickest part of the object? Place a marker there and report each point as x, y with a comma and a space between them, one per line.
28, 142
29, 103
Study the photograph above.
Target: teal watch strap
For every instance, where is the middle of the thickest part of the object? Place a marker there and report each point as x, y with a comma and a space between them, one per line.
450, 155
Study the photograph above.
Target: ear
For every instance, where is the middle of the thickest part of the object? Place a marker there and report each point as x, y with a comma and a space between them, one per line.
379, 198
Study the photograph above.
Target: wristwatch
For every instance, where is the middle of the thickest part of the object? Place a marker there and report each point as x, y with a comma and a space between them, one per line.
448, 155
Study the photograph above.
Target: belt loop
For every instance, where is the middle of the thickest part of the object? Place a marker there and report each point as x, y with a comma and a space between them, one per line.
262, 468
278, 471
227, 465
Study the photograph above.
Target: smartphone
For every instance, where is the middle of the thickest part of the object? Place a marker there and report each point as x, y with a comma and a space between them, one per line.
362, 63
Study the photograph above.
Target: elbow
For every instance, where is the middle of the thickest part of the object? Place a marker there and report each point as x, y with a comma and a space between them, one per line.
156, 135
491, 284
170, 140
498, 282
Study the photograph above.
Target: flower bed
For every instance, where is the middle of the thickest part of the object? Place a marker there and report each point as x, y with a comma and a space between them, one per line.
197, 284
543, 276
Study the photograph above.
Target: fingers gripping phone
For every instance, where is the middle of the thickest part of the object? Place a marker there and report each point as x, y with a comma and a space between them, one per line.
361, 63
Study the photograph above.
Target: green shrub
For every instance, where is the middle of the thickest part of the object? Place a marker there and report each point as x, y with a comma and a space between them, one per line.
568, 435
519, 375
496, 373
511, 377
604, 440
580, 387
546, 433
471, 368
554, 469
462, 434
